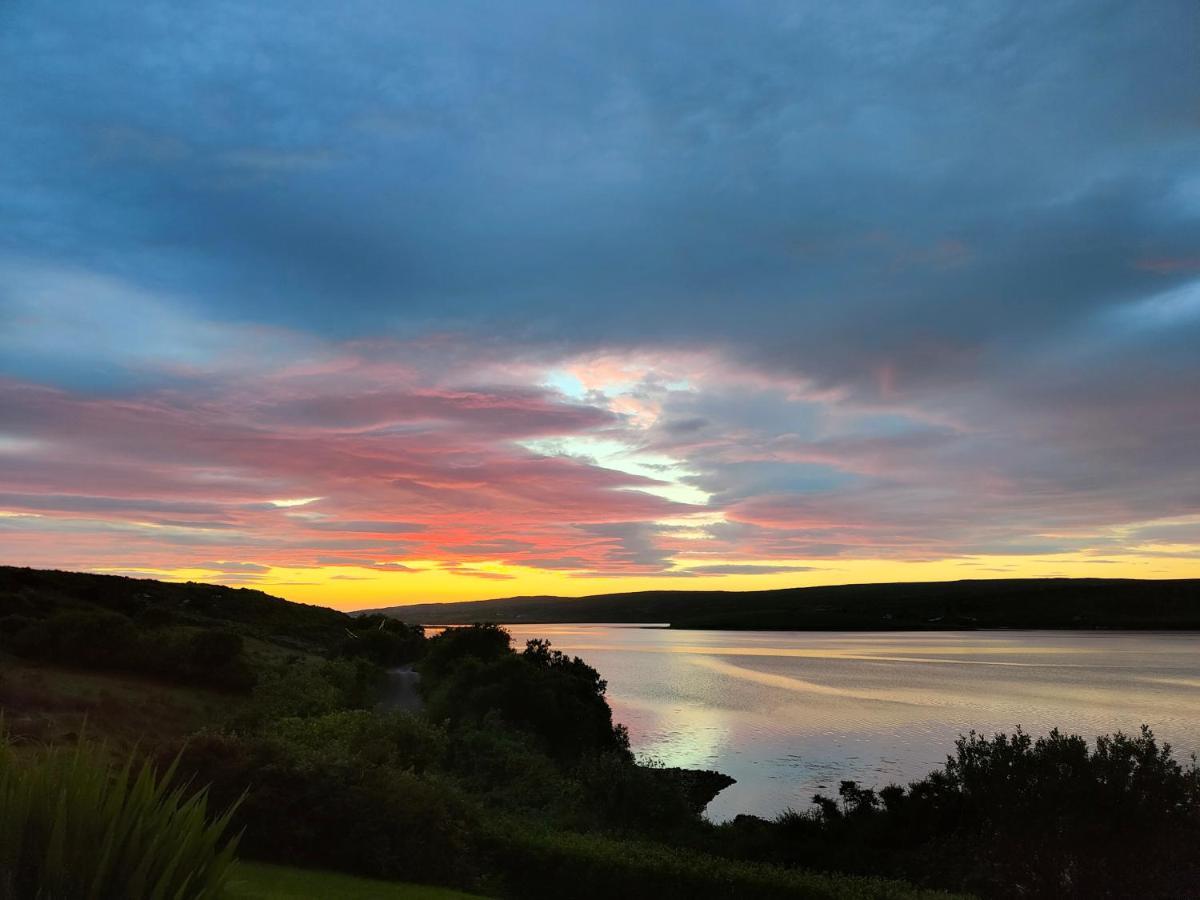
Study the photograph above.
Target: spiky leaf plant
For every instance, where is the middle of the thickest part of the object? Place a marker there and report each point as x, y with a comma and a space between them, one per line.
75, 824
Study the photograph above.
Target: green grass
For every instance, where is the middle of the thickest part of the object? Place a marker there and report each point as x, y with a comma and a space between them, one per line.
47, 704
258, 881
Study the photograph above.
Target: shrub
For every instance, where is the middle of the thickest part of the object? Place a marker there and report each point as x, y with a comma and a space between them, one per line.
73, 824
100, 639
322, 810
472, 675
213, 647
482, 643
631, 797
510, 771
368, 738
384, 641
87, 638
1010, 815
537, 864
304, 688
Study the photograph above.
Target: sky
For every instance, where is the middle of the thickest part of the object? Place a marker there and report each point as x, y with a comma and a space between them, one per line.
377, 303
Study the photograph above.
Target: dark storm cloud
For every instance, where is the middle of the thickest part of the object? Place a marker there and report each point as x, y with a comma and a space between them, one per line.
917, 181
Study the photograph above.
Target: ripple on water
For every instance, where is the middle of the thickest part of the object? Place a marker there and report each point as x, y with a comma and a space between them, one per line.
792, 714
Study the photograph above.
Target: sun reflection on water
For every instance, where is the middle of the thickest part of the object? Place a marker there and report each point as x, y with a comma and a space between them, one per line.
789, 714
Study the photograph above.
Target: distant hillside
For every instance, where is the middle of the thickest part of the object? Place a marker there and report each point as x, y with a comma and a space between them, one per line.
999, 603
39, 594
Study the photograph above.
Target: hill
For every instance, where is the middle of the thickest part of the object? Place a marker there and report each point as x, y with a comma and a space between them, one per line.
996, 603
113, 648
41, 594
513, 780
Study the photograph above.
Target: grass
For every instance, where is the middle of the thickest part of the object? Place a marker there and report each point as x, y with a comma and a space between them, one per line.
48, 704
258, 881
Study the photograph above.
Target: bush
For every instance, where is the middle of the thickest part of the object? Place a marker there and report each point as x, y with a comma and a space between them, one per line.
482, 643
384, 641
509, 771
471, 675
89, 639
304, 688
365, 737
320, 809
73, 824
631, 797
99, 639
1010, 815
540, 864
211, 647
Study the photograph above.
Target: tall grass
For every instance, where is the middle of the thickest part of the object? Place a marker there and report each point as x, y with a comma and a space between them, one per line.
74, 824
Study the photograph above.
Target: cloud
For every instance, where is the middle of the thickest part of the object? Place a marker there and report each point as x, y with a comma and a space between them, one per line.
548, 289
222, 475
749, 569
234, 567
456, 568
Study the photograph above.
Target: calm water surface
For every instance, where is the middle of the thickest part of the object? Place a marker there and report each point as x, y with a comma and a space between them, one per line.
789, 714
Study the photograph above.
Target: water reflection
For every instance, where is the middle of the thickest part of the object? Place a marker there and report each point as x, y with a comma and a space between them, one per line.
790, 713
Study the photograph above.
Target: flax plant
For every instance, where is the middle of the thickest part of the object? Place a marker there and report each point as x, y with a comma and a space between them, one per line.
75, 824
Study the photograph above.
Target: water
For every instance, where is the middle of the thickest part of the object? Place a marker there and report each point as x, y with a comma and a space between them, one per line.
790, 714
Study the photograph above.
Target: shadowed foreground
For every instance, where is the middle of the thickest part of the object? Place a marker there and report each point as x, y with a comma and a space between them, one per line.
259, 881
512, 780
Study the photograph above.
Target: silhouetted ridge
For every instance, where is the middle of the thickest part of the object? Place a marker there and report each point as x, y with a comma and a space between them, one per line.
996, 603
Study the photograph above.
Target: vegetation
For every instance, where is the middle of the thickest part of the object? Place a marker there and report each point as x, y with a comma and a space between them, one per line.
306, 804
1010, 816
512, 781
547, 864
557, 700
75, 824
198, 634
259, 881
45, 703
998, 603
152, 604
107, 640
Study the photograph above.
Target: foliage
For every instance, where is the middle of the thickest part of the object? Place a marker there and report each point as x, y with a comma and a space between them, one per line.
635, 798
368, 738
99, 639
517, 779
43, 703
302, 688
508, 770
40, 594
73, 824
1010, 815
383, 641
471, 676
446, 651
259, 881
539, 863
313, 805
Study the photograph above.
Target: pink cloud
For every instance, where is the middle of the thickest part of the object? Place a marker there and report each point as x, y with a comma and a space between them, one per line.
171, 477
399, 454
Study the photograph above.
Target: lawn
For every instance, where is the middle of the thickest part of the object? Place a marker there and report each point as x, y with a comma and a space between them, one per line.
51, 704
257, 881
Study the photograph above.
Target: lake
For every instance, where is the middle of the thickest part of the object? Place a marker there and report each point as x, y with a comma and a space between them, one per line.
790, 714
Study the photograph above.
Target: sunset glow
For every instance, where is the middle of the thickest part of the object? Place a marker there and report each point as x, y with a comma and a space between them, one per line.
379, 329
